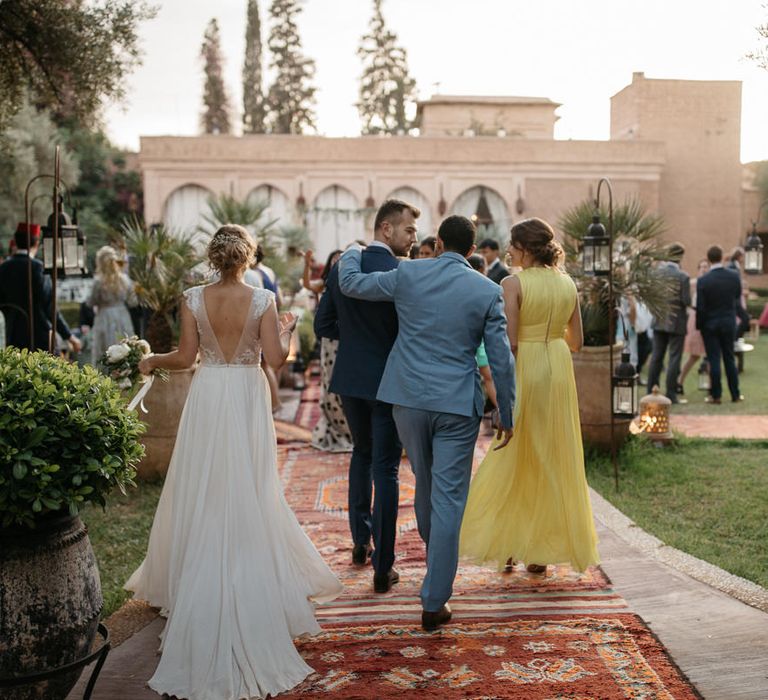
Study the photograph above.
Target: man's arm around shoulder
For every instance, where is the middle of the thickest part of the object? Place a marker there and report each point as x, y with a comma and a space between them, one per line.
372, 286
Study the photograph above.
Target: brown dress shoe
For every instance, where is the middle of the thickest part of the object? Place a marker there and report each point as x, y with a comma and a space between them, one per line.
430, 621
383, 582
509, 567
536, 568
360, 554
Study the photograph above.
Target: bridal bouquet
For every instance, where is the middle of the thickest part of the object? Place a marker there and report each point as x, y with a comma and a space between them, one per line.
121, 362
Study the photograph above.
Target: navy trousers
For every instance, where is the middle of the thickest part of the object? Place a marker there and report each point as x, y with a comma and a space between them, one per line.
375, 460
718, 342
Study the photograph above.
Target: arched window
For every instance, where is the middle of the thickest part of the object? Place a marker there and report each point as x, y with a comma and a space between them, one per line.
487, 209
186, 208
413, 196
279, 208
334, 220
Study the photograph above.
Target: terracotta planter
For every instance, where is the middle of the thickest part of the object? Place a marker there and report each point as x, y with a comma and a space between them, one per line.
164, 403
50, 601
593, 381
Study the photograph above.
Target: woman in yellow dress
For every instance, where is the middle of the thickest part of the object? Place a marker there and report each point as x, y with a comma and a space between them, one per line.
530, 501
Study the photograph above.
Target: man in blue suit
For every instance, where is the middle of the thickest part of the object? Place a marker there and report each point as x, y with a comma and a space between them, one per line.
444, 309
718, 296
366, 331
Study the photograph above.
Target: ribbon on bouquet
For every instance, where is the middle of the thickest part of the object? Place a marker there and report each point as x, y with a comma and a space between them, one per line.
138, 400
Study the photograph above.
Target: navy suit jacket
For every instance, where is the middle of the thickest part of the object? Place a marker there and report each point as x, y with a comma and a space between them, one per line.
14, 303
366, 330
718, 295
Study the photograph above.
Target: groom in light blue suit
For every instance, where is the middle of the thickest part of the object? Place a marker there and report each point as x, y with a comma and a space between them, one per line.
444, 308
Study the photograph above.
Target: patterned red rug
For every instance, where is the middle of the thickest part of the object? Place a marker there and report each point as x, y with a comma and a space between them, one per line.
580, 657
309, 406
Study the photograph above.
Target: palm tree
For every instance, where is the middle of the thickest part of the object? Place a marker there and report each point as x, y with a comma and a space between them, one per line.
637, 248
162, 264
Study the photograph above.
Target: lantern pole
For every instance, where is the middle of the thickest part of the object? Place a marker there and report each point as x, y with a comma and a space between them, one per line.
611, 324
54, 274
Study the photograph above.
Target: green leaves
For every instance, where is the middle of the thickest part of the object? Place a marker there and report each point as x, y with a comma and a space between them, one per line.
65, 437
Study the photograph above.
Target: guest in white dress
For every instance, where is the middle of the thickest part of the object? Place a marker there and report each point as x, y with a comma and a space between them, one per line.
111, 295
227, 559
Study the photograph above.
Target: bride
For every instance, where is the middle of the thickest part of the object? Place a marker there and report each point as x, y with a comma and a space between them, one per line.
227, 560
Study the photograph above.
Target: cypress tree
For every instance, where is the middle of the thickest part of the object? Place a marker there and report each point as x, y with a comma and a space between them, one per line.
215, 119
291, 97
253, 96
386, 87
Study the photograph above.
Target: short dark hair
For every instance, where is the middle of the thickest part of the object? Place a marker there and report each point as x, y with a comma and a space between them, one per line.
675, 252
715, 254
488, 243
457, 234
429, 241
391, 210
476, 262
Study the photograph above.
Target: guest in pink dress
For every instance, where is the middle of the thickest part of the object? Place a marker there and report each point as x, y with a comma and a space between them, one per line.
694, 343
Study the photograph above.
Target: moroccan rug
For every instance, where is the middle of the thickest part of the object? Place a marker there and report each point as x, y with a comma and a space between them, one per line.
309, 406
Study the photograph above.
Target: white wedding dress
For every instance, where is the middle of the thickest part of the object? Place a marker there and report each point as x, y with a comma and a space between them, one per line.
227, 559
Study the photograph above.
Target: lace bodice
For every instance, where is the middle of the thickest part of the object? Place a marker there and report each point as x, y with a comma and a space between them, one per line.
248, 351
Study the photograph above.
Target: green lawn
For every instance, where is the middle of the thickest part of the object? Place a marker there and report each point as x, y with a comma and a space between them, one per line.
119, 536
753, 383
706, 497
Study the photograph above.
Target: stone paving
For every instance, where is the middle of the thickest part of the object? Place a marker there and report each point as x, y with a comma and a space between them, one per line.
725, 426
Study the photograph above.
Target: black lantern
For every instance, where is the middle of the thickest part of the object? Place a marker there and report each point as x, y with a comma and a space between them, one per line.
624, 383
753, 253
596, 251
70, 253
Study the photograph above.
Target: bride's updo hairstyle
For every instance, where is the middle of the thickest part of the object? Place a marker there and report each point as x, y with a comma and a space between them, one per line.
536, 237
231, 249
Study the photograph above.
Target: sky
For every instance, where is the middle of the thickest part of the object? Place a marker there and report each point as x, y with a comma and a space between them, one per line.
575, 52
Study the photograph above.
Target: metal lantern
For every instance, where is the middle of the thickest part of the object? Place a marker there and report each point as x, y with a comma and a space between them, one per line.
753, 253
654, 416
596, 251
624, 383
70, 253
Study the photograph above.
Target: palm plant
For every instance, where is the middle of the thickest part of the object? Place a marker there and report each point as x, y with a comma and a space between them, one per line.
162, 263
637, 248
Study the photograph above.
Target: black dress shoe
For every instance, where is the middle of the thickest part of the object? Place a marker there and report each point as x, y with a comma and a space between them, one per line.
383, 582
430, 621
360, 554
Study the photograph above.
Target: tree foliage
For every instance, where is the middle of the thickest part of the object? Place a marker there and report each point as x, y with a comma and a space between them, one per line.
760, 54
215, 119
386, 88
69, 55
291, 97
253, 96
637, 248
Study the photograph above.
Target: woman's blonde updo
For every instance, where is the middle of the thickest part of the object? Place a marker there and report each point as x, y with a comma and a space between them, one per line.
231, 249
537, 238
108, 269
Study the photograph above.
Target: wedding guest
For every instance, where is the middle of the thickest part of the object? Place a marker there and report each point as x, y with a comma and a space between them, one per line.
495, 269
414, 252
366, 331
530, 502
718, 294
735, 261
694, 343
227, 560
14, 296
331, 433
669, 331
111, 294
427, 247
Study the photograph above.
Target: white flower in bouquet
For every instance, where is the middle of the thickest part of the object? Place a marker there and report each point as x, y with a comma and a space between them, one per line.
118, 352
144, 347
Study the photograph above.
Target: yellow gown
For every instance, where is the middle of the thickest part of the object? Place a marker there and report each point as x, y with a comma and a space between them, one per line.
530, 500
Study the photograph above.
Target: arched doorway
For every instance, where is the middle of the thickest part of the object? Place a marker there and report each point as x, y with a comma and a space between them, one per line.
279, 208
186, 208
413, 196
486, 207
334, 220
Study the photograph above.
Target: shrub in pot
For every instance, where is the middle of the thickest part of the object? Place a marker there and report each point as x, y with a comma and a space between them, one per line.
66, 439
637, 248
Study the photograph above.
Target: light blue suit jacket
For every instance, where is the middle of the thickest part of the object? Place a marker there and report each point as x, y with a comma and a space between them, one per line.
444, 308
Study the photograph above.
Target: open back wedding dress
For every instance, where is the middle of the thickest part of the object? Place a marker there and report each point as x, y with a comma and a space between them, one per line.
227, 559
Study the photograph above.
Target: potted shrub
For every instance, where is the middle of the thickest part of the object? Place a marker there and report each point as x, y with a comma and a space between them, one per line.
637, 248
162, 266
66, 439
